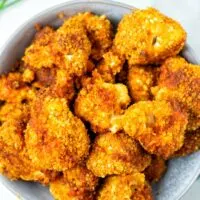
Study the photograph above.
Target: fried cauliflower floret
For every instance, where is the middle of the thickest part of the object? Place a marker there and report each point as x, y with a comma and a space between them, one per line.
180, 80
14, 161
156, 170
140, 81
55, 138
67, 48
17, 166
125, 187
159, 126
41, 52
110, 65
100, 33
76, 184
73, 46
98, 102
191, 143
148, 37
116, 154
14, 90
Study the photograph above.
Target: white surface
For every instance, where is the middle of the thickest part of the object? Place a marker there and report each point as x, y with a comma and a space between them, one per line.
185, 11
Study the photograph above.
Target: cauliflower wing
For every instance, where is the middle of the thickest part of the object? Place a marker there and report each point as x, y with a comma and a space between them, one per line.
55, 138
111, 64
148, 37
180, 80
40, 53
116, 154
14, 161
77, 183
98, 102
67, 48
159, 126
125, 187
100, 33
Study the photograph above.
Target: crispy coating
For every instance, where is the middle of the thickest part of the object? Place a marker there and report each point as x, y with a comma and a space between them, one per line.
55, 138
100, 100
159, 126
77, 183
126, 187
67, 48
100, 33
116, 154
72, 43
191, 144
140, 81
156, 170
14, 161
14, 90
40, 53
148, 37
56, 81
28, 76
111, 64
180, 80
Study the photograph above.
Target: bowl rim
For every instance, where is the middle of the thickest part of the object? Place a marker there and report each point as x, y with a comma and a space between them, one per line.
74, 2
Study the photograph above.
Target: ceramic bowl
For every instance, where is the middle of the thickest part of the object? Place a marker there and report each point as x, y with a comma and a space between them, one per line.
181, 172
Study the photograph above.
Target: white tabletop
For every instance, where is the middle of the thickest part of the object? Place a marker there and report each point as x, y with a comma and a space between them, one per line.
185, 11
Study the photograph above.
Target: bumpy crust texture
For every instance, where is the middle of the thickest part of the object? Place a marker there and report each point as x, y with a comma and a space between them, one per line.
99, 101
147, 36
116, 154
55, 138
126, 187
14, 160
180, 80
159, 126
76, 184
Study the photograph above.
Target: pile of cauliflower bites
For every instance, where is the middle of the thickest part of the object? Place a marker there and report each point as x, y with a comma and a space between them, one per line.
96, 115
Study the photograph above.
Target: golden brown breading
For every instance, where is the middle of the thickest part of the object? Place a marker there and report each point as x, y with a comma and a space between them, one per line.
67, 48
100, 100
56, 81
76, 184
110, 65
14, 161
14, 90
100, 33
191, 143
156, 170
16, 165
180, 80
140, 81
73, 46
148, 37
55, 138
159, 126
28, 75
126, 187
40, 53
116, 154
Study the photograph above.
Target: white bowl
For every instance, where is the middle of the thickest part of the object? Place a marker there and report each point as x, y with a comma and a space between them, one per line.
181, 172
